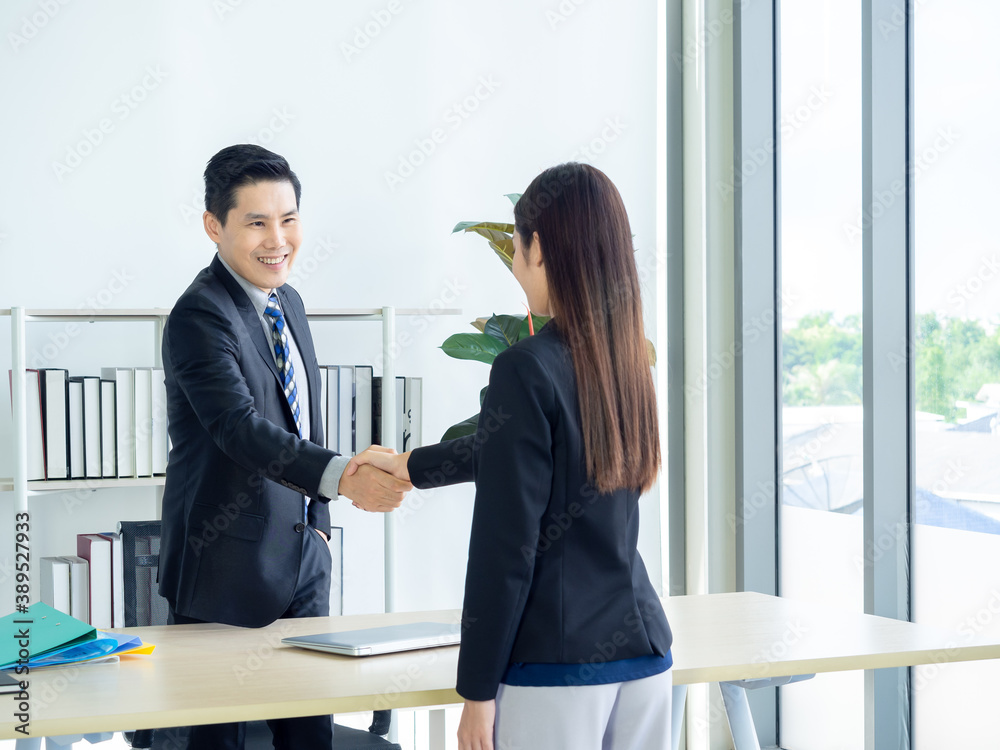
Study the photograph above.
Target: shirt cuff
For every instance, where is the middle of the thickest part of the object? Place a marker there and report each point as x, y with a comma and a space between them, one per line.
329, 483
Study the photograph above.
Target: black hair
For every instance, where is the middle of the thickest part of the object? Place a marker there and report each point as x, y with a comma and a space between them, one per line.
243, 164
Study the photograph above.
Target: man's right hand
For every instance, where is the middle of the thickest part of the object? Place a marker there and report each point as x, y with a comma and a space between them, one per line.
372, 489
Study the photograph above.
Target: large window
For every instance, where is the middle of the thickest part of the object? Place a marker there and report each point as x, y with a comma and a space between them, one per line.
820, 514
956, 537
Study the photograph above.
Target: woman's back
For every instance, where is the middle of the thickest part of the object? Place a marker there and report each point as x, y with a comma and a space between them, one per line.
554, 575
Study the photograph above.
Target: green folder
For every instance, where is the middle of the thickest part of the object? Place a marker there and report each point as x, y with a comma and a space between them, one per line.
48, 629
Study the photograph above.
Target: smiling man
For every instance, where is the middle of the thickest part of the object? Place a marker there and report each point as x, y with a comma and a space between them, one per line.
245, 507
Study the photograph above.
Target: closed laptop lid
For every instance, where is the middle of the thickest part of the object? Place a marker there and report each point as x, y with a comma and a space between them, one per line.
383, 640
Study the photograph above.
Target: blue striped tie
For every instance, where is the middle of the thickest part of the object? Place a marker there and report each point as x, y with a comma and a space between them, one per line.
279, 339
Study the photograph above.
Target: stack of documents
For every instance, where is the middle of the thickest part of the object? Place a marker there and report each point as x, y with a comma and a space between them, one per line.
46, 637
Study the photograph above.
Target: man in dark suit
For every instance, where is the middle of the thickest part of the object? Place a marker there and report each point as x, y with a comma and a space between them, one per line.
245, 514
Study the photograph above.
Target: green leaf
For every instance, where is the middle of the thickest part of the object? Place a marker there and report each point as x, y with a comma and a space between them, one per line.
482, 396
499, 235
504, 328
476, 346
494, 225
466, 427
513, 197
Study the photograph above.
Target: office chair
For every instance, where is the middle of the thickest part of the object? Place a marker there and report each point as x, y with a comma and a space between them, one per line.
145, 606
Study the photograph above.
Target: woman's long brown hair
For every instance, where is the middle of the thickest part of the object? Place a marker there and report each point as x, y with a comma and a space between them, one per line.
594, 295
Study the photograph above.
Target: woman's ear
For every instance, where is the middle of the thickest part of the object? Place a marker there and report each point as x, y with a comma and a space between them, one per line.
535, 252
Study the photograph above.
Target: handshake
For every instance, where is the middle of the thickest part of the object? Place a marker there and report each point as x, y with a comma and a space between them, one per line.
376, 480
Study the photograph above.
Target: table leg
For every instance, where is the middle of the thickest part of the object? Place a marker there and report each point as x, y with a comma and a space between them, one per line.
678, 699
436, 734
740, 719
393, 734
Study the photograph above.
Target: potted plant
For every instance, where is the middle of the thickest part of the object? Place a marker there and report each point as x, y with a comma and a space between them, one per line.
498, 332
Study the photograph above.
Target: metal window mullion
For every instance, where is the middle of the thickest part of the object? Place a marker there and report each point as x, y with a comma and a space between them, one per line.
887, 252
676, 489
758, 313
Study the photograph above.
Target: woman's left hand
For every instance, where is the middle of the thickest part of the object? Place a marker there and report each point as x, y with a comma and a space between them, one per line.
475, 730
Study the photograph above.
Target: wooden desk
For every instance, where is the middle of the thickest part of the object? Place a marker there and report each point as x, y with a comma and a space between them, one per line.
215, 673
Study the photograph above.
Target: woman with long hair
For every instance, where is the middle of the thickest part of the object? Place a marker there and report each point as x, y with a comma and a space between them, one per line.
564, 643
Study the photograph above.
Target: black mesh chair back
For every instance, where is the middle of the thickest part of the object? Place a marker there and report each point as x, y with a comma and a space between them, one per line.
140, 562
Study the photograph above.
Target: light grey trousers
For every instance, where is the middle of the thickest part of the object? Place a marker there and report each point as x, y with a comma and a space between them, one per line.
632, 715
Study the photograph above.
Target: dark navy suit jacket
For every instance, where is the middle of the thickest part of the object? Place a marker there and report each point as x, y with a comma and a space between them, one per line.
554, 575
233, 503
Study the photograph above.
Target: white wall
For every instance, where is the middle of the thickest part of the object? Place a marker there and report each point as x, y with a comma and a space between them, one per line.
174, 82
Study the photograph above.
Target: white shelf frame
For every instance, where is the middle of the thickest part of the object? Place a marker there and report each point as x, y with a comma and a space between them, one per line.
20, 317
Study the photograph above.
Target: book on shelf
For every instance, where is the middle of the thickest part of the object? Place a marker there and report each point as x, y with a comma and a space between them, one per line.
55, 587
142, 424
91, 424
77, 468
79, 587
401, 422
124, 380
96, 550
117, 579
160, 438
9, 685
363, 375
55, 413
109, 421
346, 410
324, 381
413, 409
333, 408
35, 436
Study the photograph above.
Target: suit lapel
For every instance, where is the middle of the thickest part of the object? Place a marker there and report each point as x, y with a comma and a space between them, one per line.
248, 315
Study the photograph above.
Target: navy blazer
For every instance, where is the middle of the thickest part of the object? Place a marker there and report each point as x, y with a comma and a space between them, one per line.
232, 506
554, 575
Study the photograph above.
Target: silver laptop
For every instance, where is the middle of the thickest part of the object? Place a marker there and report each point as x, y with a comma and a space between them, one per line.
384, 640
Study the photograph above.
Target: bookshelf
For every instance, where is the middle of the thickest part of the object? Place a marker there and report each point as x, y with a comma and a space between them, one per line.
20, 317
